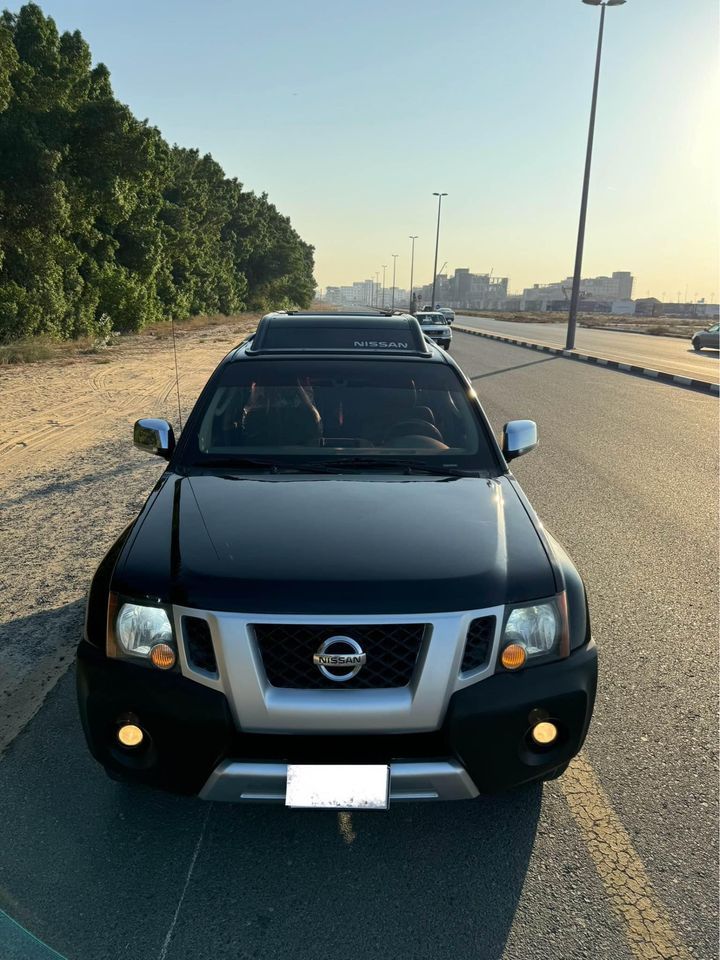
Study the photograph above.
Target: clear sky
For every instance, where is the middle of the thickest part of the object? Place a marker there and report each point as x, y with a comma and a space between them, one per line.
349, 115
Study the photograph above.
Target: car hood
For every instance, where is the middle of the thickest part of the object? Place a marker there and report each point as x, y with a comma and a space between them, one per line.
325, 545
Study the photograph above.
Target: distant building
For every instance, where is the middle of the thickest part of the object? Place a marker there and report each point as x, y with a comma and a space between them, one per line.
358, 295
623, 308
586, 306
482, 291
652, 307
468, 291
365, 293
648, 307
617, 287
690, 311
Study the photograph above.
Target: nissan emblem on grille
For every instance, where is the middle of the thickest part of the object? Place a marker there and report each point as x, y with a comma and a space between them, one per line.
336, 662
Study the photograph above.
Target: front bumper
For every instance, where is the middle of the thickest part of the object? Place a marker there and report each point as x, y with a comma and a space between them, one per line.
193, 746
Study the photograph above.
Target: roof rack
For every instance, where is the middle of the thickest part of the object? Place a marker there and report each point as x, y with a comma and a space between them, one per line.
362, 312
374, 333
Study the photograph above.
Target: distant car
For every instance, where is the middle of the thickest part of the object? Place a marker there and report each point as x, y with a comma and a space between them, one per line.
707, 338
435, 325
449, 313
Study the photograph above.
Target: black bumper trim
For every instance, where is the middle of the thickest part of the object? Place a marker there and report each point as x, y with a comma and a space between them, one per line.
190, 728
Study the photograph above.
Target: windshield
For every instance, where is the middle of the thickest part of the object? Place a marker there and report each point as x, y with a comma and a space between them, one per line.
431, 318
330, 408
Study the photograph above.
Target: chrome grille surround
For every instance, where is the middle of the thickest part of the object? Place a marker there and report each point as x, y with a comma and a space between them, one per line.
259, 707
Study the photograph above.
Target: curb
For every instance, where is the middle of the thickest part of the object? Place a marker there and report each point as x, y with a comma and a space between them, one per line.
705, 385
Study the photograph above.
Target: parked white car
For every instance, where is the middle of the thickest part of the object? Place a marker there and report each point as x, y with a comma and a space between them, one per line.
447, 311
435, 325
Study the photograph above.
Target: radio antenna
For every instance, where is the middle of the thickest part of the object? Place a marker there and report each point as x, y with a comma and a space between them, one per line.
177, 376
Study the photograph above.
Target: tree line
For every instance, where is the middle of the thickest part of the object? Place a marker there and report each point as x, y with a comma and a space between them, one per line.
105, 226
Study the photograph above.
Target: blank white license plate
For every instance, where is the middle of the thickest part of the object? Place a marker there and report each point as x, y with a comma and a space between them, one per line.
341, 786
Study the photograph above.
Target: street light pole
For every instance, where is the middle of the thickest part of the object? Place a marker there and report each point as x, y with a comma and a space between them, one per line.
392, 296
437, 243
412, 268
384, 266
575, 296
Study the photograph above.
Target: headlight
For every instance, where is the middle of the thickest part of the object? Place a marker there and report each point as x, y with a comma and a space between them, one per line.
139, 628
541, 629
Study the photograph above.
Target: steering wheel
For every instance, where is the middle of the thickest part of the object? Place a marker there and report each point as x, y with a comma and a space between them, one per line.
415, 428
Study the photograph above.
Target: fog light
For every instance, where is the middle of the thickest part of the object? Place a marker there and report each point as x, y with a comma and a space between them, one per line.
130, 735
162, 655
513, 656
544, 733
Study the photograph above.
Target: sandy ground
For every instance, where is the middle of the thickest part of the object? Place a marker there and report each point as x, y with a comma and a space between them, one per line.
70, 480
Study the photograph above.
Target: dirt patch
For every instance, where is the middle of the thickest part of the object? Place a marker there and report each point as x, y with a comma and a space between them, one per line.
70, 480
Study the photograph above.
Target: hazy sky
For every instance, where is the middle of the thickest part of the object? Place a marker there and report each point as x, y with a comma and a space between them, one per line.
350, 115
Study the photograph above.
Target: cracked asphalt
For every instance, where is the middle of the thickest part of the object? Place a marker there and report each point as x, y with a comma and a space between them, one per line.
618, 859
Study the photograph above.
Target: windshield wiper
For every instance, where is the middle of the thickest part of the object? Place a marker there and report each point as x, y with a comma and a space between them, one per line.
392, 463
332, 466
258, 463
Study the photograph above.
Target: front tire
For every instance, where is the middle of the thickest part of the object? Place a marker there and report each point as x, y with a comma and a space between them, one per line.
697, 347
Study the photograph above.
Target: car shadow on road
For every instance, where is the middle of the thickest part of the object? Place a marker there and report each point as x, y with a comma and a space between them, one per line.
707, 352
419, 881
98, 869
119, 472
518, 366
34, 651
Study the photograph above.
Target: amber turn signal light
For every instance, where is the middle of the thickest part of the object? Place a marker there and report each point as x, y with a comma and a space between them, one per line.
513, 656
162, 656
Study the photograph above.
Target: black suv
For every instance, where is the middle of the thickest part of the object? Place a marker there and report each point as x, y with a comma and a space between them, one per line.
337, 593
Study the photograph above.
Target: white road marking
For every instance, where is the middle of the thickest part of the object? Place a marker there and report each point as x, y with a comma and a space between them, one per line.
168, 936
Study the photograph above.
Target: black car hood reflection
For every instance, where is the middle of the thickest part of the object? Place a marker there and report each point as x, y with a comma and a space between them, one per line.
334, 545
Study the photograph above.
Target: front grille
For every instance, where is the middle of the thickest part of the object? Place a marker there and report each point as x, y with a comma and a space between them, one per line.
198, 644
391, 649
478, 643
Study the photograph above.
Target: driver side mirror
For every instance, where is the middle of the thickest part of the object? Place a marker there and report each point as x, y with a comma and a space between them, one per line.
154, 436
519, 437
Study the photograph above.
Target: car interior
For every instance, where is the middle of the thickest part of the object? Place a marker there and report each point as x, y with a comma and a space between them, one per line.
336, 412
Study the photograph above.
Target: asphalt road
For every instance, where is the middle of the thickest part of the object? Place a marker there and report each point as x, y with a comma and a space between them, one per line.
668, 354
616, 860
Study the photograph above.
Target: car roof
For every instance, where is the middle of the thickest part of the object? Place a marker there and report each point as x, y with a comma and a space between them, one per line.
347, 334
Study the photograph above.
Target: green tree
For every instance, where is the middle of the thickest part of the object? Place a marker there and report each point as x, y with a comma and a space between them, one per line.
100, 218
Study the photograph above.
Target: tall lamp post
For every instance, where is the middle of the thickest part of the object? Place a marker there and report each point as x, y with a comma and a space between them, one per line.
412, 268
437, 243
575, 296
384, 266
392, 296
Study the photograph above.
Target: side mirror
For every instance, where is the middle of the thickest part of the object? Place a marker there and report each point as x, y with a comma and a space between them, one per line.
519, 437
154, 436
